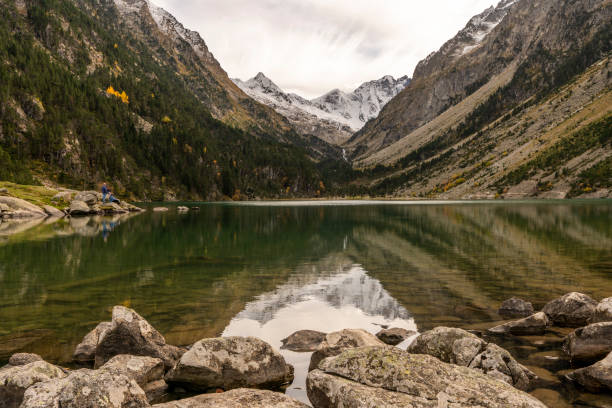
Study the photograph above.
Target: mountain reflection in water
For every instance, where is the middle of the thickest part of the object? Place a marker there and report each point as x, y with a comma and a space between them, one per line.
348, 298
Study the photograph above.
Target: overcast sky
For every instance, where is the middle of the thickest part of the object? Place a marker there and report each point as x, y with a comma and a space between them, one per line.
313, 46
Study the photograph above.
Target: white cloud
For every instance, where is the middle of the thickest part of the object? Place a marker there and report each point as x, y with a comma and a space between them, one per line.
312, 46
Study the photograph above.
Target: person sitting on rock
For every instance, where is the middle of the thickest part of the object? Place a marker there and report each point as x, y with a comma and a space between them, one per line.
112, 198
104, 192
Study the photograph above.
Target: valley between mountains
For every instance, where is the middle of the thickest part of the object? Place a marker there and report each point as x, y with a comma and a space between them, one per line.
517, 105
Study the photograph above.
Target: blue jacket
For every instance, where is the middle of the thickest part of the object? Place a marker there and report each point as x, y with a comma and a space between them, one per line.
104, 190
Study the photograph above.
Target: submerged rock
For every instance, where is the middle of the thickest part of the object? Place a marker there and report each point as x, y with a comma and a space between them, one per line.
390, 377
339, 341
603, 311
148, 372
15, 380
86, 350
457, 346
131, 334
571, 310
240, 397
303, 341
86, 389
589, 343
534, 324
595, 378
394, 336
20, 359
231, 362
515, 307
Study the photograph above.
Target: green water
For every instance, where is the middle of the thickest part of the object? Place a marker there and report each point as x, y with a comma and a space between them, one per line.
271, 269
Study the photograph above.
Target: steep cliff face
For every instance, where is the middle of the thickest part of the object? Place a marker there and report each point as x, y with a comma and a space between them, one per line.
333, 117
494, 43
187, 53
487, 104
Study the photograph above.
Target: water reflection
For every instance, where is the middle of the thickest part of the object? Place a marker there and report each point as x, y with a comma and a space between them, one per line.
347, 298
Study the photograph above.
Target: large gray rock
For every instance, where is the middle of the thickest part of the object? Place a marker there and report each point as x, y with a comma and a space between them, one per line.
86, 389
589, 343
394, 336
457, 346
231, 362
89, 197
390, 377
21, 207
603, 311
14, 381
303, 341
571, 310
336, 342
595, 378
148, 372
52, 211
85, 352
240, 397
131, 334
78, 207
20, 359
515, 307
534, 324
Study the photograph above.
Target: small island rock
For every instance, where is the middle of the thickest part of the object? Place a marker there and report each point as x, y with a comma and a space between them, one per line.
571, 310
515, 307
394, 336
303, 341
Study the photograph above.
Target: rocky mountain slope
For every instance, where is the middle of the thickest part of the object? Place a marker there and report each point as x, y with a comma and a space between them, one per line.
333, 117
517, 104
118, 90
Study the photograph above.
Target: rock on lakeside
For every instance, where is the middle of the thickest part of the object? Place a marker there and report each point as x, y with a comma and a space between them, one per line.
390, 377
240, 397
515, 307
303, 341
595, 378
571, 310
339, 341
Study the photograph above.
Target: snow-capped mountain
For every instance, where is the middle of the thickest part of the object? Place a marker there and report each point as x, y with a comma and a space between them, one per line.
333, 117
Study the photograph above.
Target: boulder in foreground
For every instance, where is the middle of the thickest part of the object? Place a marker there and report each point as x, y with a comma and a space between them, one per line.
394, 336
86, 389
131, 334
595, 378
589, 343
457, 346
240, 397
86, 350
15, 380
336, 342
231, 362
303, 341
515, 307
534, 324
148, 372
390, 377
571, 310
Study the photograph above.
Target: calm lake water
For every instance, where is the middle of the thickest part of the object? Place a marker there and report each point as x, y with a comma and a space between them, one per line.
269, 269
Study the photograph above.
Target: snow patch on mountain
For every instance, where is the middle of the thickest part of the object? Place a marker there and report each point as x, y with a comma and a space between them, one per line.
350, 110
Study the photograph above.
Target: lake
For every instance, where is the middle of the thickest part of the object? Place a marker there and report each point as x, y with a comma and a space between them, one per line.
269, 269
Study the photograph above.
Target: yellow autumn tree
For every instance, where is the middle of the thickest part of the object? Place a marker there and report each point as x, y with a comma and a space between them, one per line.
121, 95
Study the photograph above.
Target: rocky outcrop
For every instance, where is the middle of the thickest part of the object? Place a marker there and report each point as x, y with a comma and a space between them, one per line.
20, 359
394, 336
339, 341
457, 346
515, 307
240, 397
231, 362
595, 378
131, 334
303, 341
52, 211
85, 389
148, 373
86, 350
13, 207
589, 343
90, 202
78, 207
571, 310
534, 324
15, 380
602, 312
390, 377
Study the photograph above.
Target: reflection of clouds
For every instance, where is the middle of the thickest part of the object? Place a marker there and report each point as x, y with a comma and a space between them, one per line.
348, 300
353, 288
